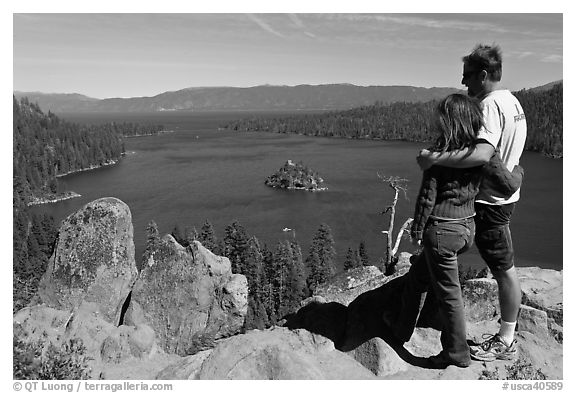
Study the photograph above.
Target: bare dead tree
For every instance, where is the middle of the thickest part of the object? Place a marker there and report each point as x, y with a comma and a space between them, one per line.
398, 184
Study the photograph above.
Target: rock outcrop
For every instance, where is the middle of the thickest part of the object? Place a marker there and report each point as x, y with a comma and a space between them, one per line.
347, 286
543, 289
277, 353
105, 343
349, 309
189, 296
93, 260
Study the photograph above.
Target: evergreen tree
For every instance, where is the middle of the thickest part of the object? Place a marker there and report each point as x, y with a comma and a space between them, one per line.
152, 241
297, 287
364, 260
289, 278
254, 270
267, 285
33, 244
178, 235
321, 257
207, 237
254, 267
235, 245
282, 261
352, 259
190, 235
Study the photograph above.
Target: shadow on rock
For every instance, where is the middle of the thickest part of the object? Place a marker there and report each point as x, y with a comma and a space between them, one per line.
325, 319
351, 326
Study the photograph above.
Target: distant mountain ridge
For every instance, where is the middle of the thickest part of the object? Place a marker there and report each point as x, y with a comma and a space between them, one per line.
258, 98
267, 97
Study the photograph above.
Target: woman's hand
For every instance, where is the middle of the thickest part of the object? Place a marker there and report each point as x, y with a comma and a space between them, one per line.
425, 159
415, 242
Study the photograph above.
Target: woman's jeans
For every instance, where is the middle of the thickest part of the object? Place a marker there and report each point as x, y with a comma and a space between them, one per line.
437, 268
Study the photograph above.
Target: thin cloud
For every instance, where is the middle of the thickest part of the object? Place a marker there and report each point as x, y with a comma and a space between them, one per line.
300, 25
441, 24
545, 58
552, 59
422, 21
297, 21
264, 26
522, 55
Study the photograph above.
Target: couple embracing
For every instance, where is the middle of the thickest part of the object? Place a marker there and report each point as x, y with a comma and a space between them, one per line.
470, 185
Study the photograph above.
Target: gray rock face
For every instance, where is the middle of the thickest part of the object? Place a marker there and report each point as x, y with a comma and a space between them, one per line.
93, 260
272, 354
379, 357
543, 290
480, 299
542, 300
351, 316
346, 286
533, 320
189, 296
104, 342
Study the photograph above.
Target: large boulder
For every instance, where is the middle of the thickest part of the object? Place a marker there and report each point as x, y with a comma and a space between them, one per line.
189, 296
543, 290
345, 287
534, 321
103, 342
542, 300
480, 297
349, 310
41, 323
93, 260
272, 354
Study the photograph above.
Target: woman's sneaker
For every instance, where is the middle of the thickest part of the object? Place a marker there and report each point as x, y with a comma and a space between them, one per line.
494, 348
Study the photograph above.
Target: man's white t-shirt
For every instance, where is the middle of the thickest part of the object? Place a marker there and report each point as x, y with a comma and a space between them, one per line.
505, 129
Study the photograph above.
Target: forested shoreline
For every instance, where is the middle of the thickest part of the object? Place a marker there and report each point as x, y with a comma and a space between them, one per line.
45, 147
412, 121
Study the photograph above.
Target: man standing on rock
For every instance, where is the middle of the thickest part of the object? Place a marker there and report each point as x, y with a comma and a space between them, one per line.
504, 132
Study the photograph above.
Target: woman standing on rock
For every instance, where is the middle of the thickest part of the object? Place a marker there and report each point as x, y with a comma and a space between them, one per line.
444, 223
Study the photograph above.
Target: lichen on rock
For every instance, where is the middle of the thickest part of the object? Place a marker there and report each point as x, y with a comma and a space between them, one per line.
189, 296
93, 259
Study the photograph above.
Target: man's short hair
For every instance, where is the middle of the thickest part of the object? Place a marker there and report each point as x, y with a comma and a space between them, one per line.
486, 58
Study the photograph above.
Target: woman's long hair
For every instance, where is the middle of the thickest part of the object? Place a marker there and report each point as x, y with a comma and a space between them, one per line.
458, 120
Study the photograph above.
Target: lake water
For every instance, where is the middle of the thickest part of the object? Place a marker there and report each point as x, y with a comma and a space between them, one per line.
199, 172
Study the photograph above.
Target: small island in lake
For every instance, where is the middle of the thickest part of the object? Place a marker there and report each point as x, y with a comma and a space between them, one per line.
295, 177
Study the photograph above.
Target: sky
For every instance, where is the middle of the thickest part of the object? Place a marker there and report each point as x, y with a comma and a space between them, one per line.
132, 55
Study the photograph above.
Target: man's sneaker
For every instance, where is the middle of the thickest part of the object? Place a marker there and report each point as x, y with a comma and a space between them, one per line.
494, 348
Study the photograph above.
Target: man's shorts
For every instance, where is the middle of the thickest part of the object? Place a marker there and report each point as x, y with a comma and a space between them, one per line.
493, 237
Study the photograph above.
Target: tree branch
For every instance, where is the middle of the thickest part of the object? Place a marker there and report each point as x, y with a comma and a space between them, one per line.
403, 228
